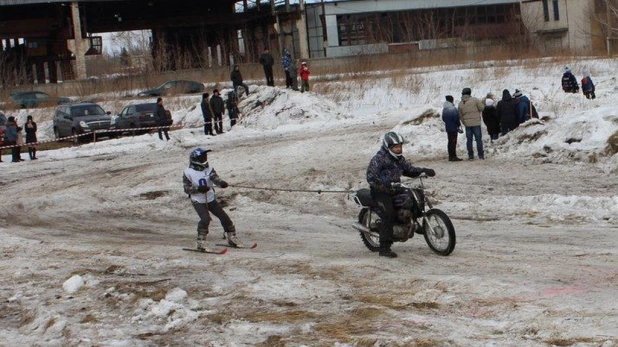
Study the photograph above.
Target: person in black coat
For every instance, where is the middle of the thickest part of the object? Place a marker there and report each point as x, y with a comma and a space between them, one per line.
207, 114
30, 128
232, 108
490, 118
237, 81
506, 113
218, 108
569, 82
267, 61
162, 120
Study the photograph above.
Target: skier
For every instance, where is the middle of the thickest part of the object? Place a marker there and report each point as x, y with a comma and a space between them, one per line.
383, 175
199, 180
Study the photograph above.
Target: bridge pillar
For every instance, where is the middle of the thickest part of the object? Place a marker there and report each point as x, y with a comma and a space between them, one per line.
79, 48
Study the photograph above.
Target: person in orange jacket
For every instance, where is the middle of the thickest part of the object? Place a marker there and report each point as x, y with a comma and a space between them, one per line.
304, 76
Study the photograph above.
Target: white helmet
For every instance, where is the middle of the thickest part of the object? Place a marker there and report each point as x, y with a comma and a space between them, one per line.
391, 139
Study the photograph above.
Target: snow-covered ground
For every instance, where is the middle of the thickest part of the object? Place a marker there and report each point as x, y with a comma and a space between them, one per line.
92, 235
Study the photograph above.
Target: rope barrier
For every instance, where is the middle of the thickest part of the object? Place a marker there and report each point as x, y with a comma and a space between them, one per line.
319, 191
92, 133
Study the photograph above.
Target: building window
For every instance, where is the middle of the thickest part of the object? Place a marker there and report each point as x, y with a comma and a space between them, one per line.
556, 10
546, 10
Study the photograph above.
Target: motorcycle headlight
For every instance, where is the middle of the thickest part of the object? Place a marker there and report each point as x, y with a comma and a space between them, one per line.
83, 124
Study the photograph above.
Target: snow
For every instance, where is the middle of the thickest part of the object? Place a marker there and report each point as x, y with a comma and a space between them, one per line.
92, 235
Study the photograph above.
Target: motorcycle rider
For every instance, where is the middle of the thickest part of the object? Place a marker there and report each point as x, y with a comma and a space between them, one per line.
384, 175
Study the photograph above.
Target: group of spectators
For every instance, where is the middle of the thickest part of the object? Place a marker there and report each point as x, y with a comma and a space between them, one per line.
14, 136
499, 117
213, 109
289, 68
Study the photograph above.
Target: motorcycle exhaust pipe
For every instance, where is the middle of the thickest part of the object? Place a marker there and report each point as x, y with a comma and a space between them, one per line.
364, 229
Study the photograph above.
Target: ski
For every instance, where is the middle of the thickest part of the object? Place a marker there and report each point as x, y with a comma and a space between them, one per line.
252, 246
210, 251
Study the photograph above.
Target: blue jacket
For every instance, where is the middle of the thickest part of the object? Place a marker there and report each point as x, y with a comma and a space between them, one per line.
385, 169
286, 59
587, 85
522, 109
450, 116
11, 133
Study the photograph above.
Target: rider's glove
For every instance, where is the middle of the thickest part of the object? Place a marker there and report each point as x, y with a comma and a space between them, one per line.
203, 189
223, 184
429, 172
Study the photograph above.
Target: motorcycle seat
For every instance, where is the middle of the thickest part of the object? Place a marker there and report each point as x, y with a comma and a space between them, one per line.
364, 197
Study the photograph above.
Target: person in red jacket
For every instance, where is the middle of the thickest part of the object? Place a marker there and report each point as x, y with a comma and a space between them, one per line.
304, 76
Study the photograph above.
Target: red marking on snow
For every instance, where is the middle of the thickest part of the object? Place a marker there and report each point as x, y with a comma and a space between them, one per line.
559, 291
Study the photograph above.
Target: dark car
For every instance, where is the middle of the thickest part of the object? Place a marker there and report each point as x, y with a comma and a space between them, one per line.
2, 124
136, 116
77, 119
33, 98
175, 87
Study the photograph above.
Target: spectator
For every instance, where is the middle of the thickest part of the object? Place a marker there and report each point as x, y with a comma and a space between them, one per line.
162, 120
470, 109
207, 114
237, 81
506, 113
11, 139
294, 74
267, 61
522, 106
1, 142
588, 86
490, 118
304, 77
450, 116
569, 82
232, 108
218, 108
286, 60
30, 128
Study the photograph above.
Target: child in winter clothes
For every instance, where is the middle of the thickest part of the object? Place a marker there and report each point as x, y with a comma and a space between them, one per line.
588, 86
569, 83
304, 76
199, 180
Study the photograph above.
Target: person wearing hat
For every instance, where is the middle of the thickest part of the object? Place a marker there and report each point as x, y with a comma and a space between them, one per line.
286, 61
237, 81
11, 138
162, 120
304, 77
588, 86
470, 109
569, 82
450, 116
507, 113
490, 118
522, 106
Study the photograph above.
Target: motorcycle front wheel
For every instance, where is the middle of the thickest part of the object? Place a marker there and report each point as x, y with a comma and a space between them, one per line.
371, 242
439, 232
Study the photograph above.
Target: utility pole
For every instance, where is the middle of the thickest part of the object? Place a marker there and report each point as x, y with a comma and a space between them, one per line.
608, 18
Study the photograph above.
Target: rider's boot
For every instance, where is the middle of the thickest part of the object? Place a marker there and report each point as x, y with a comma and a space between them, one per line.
201, 240
385, 250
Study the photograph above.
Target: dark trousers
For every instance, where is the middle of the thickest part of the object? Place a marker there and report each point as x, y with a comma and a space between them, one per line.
208, 126
245, 87
232, 121
288, 79
268, 72
15, 151
218, 123
204, 210
505, 128
32, 152
161, 132
590, 95
452, 144
387, 215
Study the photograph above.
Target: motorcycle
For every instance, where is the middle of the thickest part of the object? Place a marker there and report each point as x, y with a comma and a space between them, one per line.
414, 215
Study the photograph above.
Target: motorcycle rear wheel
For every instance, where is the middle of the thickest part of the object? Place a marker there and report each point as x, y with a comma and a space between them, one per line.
439, 232
371, 242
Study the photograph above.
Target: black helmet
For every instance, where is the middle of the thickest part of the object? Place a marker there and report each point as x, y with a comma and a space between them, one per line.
391, 139
198, 159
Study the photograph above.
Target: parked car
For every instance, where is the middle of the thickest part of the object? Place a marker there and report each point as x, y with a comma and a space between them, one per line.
136, 116
175, 87
2, 125
77, 119
33, 98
